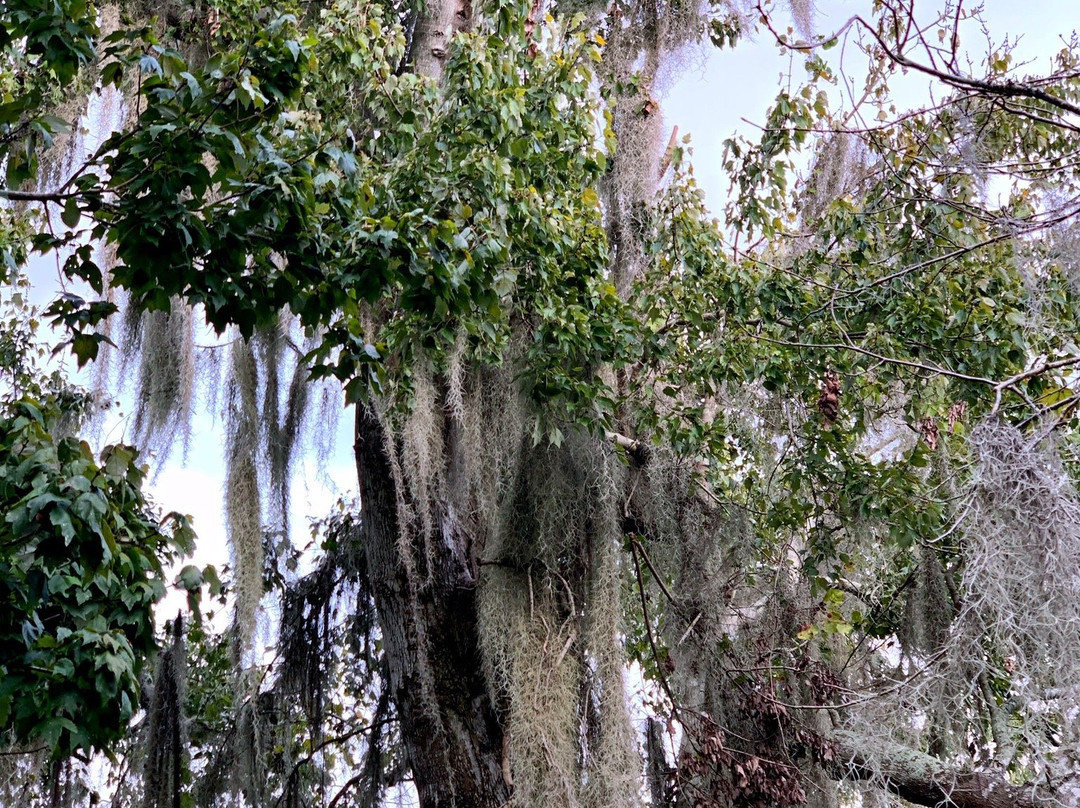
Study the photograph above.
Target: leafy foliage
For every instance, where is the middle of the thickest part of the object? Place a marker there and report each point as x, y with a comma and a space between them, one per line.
794, 414
81, 572
47, 42
82, 559
298, 170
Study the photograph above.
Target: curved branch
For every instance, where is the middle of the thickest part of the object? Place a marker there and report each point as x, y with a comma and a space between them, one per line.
1007, 89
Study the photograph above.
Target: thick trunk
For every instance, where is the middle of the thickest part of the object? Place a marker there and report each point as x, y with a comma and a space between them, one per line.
435, 27
449, 725
925, 780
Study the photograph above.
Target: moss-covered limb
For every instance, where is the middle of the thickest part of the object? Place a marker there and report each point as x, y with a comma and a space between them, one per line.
925, 780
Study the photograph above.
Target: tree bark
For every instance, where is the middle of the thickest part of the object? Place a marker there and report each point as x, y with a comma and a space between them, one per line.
450, 727
436, 26
925, 780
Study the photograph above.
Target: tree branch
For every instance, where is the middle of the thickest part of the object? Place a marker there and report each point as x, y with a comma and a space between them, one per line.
34, 196
635, 449
925, 367
925, 780
1007, 89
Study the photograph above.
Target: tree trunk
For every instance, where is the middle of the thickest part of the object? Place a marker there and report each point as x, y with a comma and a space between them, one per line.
436, 26
450, 726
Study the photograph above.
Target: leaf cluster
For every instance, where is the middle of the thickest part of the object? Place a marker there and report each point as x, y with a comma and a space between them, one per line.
44, 44
80, 572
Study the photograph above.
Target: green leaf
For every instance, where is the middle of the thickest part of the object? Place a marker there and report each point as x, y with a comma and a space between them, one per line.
190, 578
60, 517
71, 213
86, 346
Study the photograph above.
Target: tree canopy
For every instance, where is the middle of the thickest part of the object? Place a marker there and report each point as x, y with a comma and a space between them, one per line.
653, 508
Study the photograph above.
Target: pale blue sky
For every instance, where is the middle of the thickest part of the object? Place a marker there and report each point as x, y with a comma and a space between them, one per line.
718, 89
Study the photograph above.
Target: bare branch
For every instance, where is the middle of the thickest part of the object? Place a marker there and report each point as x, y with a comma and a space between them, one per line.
1008, 89
34, 196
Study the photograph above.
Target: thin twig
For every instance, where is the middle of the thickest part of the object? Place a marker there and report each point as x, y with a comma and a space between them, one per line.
827, 346
656, 575
649, 632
